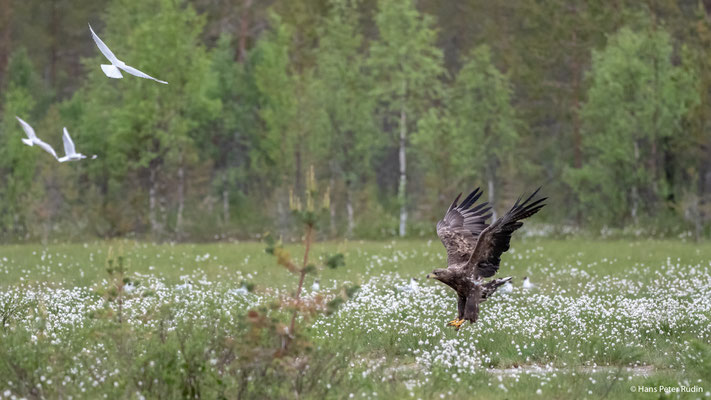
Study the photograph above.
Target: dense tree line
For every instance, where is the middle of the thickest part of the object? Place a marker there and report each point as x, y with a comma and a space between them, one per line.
398, 105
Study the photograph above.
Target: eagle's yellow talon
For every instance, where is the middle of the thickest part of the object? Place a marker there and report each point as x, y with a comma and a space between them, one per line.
457, 324
453, 322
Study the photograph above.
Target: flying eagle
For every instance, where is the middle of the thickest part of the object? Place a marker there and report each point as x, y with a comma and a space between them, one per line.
474, 249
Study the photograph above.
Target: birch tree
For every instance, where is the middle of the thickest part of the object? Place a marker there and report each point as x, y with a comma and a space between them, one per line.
407, 67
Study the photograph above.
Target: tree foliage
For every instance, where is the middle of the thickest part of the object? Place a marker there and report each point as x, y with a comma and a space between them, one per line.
397, 105
635, 107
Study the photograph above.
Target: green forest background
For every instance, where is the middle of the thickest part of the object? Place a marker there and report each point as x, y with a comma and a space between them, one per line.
397, 104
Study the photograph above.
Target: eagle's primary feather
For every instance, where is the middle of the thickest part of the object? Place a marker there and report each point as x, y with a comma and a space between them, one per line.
461, 226
474, 249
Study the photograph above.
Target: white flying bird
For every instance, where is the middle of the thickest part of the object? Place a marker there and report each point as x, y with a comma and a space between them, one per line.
32, 138
113, 70
70, 152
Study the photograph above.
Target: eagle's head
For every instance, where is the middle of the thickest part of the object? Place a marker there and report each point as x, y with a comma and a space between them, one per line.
441, 274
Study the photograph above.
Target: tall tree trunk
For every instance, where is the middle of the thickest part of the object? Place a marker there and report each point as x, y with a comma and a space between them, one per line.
634, 193
349, 208
244, 30
152, 202
181, 199
298, 178
225, 201
490, 178
332, 204
283, 210
53, 50
577, 137
634, 196
5, 36
402, 187
703, 186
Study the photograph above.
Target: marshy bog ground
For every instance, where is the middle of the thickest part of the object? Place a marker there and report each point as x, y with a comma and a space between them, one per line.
605, 319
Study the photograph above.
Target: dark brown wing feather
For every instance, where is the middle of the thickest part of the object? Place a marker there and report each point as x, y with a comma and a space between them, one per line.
494, 240
461, 227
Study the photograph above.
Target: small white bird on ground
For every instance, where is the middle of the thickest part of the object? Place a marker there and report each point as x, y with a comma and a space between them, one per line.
413, 285
316, 286
242, 291
527, 283
410, 287
113, 70
69, 149
129, 287
507, 287
32, 138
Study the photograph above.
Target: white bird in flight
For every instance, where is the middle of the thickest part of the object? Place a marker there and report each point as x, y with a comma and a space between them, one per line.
32, 138
70, 152
113, 70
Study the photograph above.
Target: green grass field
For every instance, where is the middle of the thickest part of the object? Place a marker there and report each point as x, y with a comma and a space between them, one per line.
606, 319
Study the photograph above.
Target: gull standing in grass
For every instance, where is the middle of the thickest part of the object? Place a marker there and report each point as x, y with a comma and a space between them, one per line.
412, 286
32, 138
507, 287
316, 286
113, 70
527, 283
70, 152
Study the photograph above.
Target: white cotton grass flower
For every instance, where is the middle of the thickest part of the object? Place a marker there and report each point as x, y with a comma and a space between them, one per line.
631, 310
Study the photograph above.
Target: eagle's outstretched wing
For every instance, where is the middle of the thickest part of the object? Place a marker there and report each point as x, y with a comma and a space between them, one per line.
494, 240
461, 226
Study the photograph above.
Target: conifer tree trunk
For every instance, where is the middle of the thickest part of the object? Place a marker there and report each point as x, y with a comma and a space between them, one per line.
490, 176
5, 36
181, 199
244, 30
225, 201
152, 206
349, 209
634, 194
332, 205
403, 173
